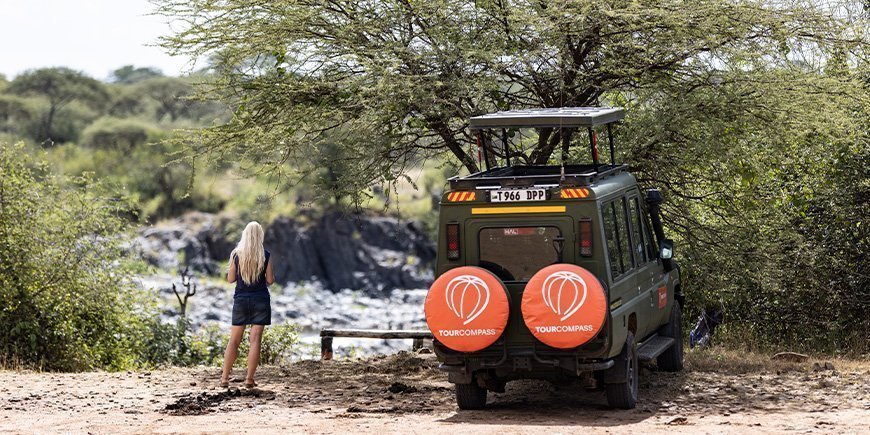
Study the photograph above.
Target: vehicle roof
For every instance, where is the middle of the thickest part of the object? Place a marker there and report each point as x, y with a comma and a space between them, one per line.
615, 183
551, 117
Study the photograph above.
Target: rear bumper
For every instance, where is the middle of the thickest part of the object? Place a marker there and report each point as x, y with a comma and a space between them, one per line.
524, 362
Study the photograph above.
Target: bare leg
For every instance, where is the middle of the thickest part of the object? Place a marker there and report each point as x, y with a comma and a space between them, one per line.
232, 352
256, 336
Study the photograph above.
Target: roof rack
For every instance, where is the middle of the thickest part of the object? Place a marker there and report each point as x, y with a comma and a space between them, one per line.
535, 176
566, 117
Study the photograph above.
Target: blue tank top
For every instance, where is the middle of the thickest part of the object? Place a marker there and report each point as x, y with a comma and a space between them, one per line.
256, 287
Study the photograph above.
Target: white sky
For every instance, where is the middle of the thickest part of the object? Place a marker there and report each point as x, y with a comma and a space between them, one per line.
94, 36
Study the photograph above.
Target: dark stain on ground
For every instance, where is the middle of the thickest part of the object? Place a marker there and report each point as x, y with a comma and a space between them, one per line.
398, 387
203, 403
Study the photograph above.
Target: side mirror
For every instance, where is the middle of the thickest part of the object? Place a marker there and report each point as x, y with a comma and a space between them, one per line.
667, 249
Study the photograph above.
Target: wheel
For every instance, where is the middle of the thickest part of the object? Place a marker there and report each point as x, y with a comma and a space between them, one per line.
671, 360
622, 393
470, 396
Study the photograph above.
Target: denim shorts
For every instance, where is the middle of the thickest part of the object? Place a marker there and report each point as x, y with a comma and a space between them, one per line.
252, 308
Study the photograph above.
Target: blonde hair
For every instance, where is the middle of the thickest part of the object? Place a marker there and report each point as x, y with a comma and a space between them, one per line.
250, 253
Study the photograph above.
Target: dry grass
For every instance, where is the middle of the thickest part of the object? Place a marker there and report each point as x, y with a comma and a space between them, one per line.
729, 361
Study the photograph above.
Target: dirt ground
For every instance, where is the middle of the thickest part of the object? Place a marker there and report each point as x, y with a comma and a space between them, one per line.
404, 393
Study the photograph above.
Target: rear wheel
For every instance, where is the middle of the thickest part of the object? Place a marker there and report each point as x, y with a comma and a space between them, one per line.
470, 396
623, 394
671, 360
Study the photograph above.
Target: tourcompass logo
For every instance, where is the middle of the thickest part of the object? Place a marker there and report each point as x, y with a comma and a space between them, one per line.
564, 305
564, 292
467, 297
467, 308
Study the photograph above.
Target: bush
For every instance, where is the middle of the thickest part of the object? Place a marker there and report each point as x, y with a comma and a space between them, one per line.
16, 114
174, 344
65, 301
158, 188
117, 133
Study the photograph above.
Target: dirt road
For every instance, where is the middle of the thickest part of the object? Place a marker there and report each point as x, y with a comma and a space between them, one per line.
405, 394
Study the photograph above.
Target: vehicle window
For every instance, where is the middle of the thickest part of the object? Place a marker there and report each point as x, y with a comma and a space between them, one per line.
622, 230
639, 237
516, 253
611, 235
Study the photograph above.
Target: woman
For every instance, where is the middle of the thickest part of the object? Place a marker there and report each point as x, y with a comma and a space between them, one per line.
251, 270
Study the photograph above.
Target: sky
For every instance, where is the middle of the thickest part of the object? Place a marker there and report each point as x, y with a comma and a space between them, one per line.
93, 36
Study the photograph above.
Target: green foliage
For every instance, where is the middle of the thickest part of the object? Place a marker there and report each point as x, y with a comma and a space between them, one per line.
65, 302
175, 344
59, 87
277, 347
156, 187
173, 100
123, 134
768, 198
16, 114
115, 126
66, 298
129, 74
393, 82
751, 115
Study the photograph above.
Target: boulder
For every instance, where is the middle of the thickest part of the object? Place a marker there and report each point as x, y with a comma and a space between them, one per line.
374, 254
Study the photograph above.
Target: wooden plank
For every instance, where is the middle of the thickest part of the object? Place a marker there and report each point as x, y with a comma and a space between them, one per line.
376, 333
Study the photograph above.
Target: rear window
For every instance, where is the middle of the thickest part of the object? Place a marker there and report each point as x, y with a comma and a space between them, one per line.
516, 253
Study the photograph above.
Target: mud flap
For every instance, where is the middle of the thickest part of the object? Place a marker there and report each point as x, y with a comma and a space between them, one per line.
616, 374
460, 376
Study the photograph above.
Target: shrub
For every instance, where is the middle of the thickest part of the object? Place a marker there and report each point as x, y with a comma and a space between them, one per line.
118, 133
65, 301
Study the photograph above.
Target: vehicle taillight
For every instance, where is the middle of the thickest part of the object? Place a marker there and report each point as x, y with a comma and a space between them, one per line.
452, 241
585, 239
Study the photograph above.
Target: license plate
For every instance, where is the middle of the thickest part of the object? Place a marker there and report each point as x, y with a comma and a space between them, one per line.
515, 195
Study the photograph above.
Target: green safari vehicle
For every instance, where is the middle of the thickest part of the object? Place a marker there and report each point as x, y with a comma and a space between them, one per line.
560, 272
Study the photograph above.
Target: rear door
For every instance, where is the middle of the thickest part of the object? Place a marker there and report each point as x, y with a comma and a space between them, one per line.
514, 250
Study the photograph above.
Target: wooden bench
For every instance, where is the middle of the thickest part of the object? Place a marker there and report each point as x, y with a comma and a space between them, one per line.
326, 336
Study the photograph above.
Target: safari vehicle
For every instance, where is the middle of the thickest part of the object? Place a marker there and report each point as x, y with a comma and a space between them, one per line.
559, 272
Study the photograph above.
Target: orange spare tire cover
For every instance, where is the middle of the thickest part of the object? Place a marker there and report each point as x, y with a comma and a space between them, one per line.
564, 305
467, 308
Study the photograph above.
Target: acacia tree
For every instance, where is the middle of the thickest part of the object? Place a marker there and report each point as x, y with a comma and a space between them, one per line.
170, 94
60, 86
129, 74
407, 75
751, 115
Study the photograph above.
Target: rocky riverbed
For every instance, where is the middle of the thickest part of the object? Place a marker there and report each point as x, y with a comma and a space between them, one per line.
309, 305
333, 271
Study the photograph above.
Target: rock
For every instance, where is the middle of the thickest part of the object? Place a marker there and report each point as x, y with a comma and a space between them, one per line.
790, 356
373, 254
678, 421
192, 240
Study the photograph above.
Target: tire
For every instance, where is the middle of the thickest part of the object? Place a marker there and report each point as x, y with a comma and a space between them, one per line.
671, 360
470, 396
623, 394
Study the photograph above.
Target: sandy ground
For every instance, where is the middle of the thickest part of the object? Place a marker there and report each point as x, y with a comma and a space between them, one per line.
403, 393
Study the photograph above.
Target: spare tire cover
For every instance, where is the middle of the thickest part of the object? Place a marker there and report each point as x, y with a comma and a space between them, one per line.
467, 308
564, 305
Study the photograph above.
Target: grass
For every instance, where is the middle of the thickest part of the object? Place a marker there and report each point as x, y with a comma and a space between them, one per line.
733, 361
